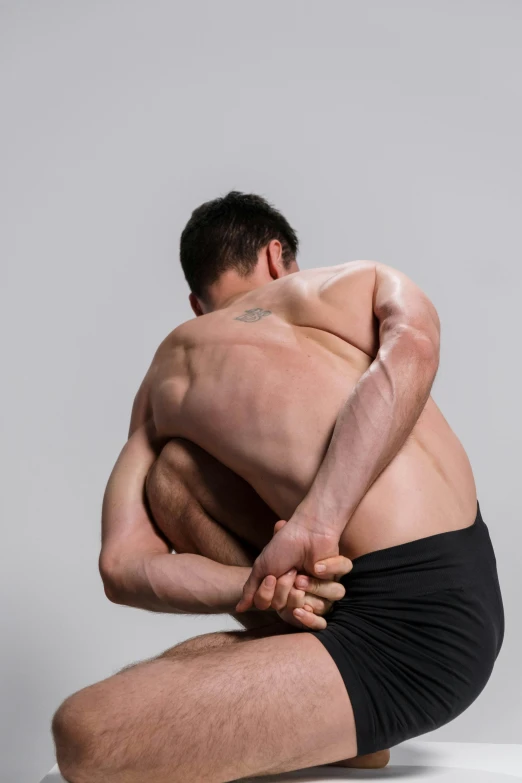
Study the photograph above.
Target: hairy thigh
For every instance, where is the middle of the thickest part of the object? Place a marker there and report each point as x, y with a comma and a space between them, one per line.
204, 643
266, 706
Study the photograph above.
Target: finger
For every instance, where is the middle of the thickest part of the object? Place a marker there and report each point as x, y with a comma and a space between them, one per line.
310, 620
295, 598
282, 589
249, 589
279, 525
265, 592
333, 566
317, 605
333, 591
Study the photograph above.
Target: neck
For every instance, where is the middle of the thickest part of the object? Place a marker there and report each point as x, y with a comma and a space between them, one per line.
229, 288
226, 302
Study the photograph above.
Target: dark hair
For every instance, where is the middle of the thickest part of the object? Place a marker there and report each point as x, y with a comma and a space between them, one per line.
228, 233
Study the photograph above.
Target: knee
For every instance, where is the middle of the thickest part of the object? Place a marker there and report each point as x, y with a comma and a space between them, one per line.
73, 729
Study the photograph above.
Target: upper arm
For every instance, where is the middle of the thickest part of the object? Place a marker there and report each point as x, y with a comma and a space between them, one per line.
127, 529
402, 308
369, 304
171, 350
141, 408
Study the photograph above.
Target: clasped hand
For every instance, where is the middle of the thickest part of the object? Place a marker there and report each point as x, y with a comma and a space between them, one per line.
299, 598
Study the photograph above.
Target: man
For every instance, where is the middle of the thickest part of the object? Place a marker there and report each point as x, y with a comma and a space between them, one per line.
301, 399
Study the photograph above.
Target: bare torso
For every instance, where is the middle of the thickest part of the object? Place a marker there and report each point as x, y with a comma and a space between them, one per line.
263, 396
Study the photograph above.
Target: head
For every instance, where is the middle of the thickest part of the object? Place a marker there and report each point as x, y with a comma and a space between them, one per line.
232, 245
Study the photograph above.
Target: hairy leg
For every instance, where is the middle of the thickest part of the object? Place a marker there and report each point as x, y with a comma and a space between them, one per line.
264, 706
199, 645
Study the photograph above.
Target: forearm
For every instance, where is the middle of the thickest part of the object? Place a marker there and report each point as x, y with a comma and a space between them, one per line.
180, 583
371, 428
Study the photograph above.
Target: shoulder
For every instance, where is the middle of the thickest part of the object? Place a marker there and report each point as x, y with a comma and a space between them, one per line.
355, 279
336, 285
180, 337
322, 277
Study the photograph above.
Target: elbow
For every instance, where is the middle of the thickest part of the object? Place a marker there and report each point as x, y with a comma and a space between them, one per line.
114, 593
111, 575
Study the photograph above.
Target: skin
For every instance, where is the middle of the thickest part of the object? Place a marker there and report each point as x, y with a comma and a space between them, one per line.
186, 477
314, 389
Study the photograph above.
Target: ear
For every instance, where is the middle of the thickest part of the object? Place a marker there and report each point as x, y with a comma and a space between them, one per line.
194, 303
275, 263
274, 259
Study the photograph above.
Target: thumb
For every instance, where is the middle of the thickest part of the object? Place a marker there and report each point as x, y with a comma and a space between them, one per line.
333, 567
314, 563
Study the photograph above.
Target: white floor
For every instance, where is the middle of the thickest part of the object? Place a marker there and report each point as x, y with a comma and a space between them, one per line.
414, 762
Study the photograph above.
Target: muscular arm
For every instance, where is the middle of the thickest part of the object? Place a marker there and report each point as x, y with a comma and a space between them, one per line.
135, 561
372, 425
384, 406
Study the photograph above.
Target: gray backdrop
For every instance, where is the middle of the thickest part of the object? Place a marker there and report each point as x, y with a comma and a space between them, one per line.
383, 130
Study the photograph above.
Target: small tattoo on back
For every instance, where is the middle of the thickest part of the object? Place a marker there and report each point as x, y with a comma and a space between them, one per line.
255, 314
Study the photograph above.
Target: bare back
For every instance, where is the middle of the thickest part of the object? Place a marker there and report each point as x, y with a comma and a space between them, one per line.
259, 385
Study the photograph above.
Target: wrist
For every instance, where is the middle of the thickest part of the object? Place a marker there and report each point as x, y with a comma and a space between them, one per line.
226, 599
321, 516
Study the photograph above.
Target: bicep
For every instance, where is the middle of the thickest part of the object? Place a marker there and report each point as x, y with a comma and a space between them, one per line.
126, 524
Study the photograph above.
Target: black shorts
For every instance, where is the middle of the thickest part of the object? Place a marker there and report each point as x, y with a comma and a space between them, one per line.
417, 633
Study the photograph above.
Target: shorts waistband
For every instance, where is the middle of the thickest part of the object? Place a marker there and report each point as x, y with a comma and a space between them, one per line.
444, 560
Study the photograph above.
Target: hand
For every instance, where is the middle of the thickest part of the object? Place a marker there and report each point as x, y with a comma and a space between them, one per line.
308, 610
293, 547
302, 600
